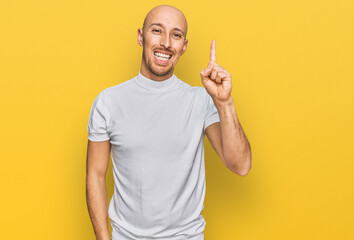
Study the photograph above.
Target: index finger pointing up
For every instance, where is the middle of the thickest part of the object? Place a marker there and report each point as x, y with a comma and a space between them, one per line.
212, 52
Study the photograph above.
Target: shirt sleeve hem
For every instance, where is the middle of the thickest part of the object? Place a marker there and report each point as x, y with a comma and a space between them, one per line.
98, 137
212, 119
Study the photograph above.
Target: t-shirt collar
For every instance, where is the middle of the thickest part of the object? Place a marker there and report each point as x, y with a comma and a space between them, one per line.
150, 84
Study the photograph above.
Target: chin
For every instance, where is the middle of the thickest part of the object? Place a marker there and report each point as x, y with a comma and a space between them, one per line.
160, 72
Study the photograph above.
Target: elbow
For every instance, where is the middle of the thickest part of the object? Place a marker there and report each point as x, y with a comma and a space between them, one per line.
244, 170
243, 173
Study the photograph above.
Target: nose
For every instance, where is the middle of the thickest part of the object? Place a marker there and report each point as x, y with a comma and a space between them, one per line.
165, 41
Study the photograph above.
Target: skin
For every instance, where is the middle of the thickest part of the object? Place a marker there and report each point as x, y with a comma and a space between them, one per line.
164, 30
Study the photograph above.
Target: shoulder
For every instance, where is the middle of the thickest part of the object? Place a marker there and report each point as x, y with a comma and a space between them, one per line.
199, 93
203, 94
203, 91
121, 87
193, 89
111, 93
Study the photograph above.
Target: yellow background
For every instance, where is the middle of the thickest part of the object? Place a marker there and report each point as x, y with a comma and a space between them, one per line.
292, 66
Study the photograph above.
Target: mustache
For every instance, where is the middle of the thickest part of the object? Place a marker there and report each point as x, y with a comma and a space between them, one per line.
164, 50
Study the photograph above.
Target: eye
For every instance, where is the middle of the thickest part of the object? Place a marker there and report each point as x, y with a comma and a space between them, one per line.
177, 35
155, 30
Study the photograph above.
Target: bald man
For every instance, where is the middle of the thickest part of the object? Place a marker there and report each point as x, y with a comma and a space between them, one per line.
154, 126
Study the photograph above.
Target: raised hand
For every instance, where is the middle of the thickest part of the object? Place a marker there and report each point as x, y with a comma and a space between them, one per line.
216, 80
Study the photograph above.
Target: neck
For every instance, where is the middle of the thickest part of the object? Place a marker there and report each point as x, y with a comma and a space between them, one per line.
156, 86
147, 73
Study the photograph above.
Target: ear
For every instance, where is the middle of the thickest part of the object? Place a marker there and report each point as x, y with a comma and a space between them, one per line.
185, 46
140, 37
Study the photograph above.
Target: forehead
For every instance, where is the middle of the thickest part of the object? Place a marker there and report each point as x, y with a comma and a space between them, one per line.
169, 18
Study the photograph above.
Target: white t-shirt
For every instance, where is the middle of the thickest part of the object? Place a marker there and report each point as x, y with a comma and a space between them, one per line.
157, 130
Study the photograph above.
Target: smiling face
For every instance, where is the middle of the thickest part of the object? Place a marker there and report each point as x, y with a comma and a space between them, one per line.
163, 38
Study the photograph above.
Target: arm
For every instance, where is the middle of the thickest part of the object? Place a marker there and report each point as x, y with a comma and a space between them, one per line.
96, 195
227, 137
229, 140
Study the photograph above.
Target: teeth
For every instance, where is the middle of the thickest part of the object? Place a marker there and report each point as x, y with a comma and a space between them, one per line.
162, 55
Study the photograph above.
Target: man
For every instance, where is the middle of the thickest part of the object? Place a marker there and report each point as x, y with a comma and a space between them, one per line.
154, 124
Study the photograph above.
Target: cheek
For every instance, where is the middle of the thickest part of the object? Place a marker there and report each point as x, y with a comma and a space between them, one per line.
180, 48
153, 39
148, 41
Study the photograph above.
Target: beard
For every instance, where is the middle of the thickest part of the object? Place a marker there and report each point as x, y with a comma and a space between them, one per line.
159, 74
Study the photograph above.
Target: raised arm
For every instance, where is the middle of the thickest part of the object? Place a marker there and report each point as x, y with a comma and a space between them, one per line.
226, 137
96, 195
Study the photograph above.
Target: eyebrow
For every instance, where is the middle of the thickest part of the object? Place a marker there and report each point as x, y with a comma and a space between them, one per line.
161, 25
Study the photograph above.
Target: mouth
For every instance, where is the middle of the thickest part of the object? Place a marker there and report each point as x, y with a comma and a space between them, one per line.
162, 57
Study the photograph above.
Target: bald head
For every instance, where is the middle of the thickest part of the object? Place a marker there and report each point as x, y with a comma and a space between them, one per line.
171, 11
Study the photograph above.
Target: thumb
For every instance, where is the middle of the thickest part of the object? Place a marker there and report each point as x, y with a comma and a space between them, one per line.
205, 73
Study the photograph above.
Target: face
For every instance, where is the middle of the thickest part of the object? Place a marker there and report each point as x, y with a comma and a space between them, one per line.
163, 41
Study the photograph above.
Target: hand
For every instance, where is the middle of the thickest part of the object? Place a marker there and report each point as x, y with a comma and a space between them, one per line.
216, 80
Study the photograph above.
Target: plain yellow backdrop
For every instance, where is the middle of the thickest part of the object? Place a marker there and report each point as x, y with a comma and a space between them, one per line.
292, 66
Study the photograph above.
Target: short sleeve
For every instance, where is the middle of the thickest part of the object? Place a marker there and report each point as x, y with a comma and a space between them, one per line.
211, 115
98, 120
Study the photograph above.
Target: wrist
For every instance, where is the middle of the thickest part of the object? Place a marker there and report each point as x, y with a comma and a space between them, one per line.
221, 103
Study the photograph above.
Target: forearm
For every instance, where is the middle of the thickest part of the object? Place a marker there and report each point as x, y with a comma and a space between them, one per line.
96, 197
236, 148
